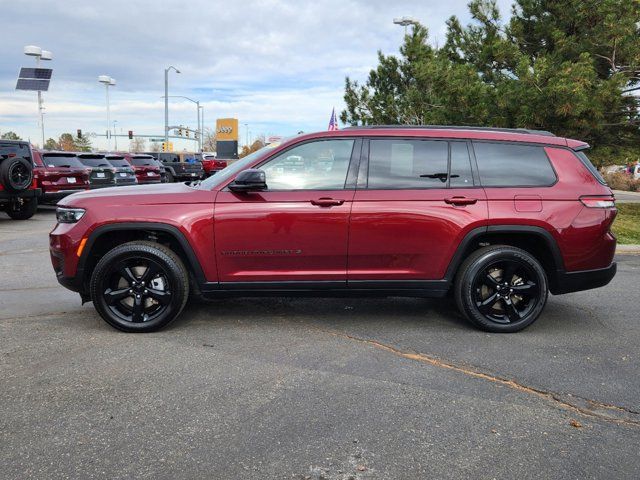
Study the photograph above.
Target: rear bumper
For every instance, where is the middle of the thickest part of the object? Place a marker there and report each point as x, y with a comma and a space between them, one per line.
54, 196
93, 186
567, 282
34, 192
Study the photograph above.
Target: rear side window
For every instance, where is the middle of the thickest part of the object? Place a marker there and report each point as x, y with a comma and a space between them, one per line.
61, 161
587, 163
509, 165
408, 164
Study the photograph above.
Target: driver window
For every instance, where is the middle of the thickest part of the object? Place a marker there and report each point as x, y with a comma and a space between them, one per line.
320, 165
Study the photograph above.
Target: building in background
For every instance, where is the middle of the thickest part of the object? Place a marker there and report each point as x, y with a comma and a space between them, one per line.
227, 138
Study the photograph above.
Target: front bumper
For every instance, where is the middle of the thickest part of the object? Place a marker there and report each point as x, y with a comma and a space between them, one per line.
567, 282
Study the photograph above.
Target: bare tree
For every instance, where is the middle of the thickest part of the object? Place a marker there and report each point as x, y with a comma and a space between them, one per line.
137, 145
155, 147
209, 140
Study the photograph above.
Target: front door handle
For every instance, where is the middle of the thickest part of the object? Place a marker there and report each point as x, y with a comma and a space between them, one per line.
460, 201
326, 202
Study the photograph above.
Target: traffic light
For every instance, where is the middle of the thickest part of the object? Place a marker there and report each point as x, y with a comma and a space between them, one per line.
130, 134
180, 132
79, 133
164, 147
186, 132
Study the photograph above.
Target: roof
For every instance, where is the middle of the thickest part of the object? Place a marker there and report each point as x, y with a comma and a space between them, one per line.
452, 132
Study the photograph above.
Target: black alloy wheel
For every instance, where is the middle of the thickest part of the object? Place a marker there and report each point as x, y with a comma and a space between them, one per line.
16, 174
501, 288
139, 286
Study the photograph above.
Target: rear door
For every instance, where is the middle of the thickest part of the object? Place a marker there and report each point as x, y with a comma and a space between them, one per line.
416, 200
296, 230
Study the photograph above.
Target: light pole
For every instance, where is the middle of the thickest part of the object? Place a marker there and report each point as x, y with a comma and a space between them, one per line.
405, 22
39, 54
201, 128
108, 82
197, 102
115, 136
166, 102
246, 131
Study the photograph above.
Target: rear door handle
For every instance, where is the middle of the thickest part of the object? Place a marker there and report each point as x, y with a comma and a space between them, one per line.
459, 201
327, 202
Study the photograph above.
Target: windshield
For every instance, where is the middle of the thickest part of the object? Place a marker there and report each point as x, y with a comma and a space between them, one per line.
61, 160
236, 167
119, 162
94, 162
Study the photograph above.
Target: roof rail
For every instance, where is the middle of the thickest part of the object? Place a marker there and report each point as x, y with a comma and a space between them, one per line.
455, 127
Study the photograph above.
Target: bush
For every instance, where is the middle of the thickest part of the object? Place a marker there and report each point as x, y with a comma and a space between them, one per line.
622, 181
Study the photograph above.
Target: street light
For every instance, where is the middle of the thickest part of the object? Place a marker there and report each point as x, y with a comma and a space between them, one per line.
197, 112
202, 128
246, 128
166, 102
108, 82
405, 22
115, 136
39, 54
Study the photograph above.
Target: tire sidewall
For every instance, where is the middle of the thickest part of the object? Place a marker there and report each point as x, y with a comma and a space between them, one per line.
171, 270
466, 291
26, 211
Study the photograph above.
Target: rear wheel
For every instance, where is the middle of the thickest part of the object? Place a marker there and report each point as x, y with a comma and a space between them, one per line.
139, 287
501, 289
22, 208
169, 177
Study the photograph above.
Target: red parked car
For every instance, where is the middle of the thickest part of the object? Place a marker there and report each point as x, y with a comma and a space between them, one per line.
495, 217
59, 174
211, 164
144, 166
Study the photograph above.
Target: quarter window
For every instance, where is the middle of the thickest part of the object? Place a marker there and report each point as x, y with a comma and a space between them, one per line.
406, 164
503, 164
320, 165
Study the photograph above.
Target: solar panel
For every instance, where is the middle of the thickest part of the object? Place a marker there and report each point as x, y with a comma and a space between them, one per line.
32, 84
37, 73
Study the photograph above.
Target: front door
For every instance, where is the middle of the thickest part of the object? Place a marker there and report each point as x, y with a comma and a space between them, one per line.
297, 229
416, 200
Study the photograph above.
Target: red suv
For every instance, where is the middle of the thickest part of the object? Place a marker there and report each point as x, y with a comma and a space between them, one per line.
59, 174
497, 218
144, 166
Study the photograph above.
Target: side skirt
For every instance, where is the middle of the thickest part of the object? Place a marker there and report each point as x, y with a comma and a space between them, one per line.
365, 288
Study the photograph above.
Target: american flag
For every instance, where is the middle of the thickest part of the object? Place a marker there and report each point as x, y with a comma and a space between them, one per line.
333, 123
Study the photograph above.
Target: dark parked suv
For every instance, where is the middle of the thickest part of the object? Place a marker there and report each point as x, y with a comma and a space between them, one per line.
102, 173
496, 218
18, 188
178, 170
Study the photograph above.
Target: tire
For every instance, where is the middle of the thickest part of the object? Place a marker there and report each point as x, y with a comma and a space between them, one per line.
120, 292
170, 178
16, 174
22, 210
494, 303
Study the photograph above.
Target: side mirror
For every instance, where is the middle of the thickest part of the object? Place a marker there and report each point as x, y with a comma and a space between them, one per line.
251, 180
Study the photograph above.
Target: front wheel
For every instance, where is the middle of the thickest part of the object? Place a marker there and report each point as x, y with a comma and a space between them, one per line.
501, 289
139, 286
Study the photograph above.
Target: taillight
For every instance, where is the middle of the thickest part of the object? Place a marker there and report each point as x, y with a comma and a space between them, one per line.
607, 201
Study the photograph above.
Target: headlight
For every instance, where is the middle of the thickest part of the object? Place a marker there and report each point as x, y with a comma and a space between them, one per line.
69, 215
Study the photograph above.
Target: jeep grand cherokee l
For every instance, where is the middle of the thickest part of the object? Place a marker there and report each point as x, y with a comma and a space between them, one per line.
18, 188
496, 218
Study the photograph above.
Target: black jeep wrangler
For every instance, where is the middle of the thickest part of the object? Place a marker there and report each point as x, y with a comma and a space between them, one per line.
18, 192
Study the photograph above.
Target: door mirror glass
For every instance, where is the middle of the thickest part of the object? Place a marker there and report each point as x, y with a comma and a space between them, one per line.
251, 180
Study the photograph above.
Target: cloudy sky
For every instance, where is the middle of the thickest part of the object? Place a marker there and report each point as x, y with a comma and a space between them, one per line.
278, 65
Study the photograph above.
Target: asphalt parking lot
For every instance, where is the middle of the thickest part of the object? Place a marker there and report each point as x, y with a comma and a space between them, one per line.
312, 388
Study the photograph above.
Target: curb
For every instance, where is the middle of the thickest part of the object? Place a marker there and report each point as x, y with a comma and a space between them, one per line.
628, 249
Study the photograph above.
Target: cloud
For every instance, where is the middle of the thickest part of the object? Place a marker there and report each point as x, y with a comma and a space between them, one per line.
277, 65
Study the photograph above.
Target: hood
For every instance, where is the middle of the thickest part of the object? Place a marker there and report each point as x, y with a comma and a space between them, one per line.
161, 193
